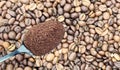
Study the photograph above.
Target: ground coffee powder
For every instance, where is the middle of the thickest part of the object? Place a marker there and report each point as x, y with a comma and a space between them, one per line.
43, 37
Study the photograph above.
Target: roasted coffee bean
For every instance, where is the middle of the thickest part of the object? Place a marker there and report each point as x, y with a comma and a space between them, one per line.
12, 35
67, 7
17, 29
19, 57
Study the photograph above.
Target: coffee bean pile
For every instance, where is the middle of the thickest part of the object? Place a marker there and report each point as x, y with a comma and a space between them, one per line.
91, 40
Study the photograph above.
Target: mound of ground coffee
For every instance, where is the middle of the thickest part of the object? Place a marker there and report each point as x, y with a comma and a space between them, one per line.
42, 38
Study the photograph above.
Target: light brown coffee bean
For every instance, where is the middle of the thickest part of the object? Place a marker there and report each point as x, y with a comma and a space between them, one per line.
2, 28
55, 60
18, 36
67, 15
27, 22
89, 58
27, 68
105, 47
12, 13
12, 35
93, 51
48, 4
72, 56
82, 16
8, 4
5, 36
7, 29
19, 57
17, 29
106, 15
32, 6
102, 8
91, 7
19, 68
98, 13
6, 44
108, 67
8, 16
61, 18
11, 21
81, 23
64, 50
77, 9
3, 21
25, 1
82, 49
74, 15
118, 16
59, 66
2, 3
84, 8
115, 9
49, 65
30, 63
62, 2
38, 13
50, 57
11, 47
87, 39
86, 3
116, 38
67, 7
76, 3
40, 6
65, 45
98, 30
103, 1
9, 67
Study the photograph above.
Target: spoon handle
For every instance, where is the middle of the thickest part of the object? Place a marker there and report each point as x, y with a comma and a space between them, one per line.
8, 56
19, 50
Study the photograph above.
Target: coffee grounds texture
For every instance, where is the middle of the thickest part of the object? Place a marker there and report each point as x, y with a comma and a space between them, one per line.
44, 37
